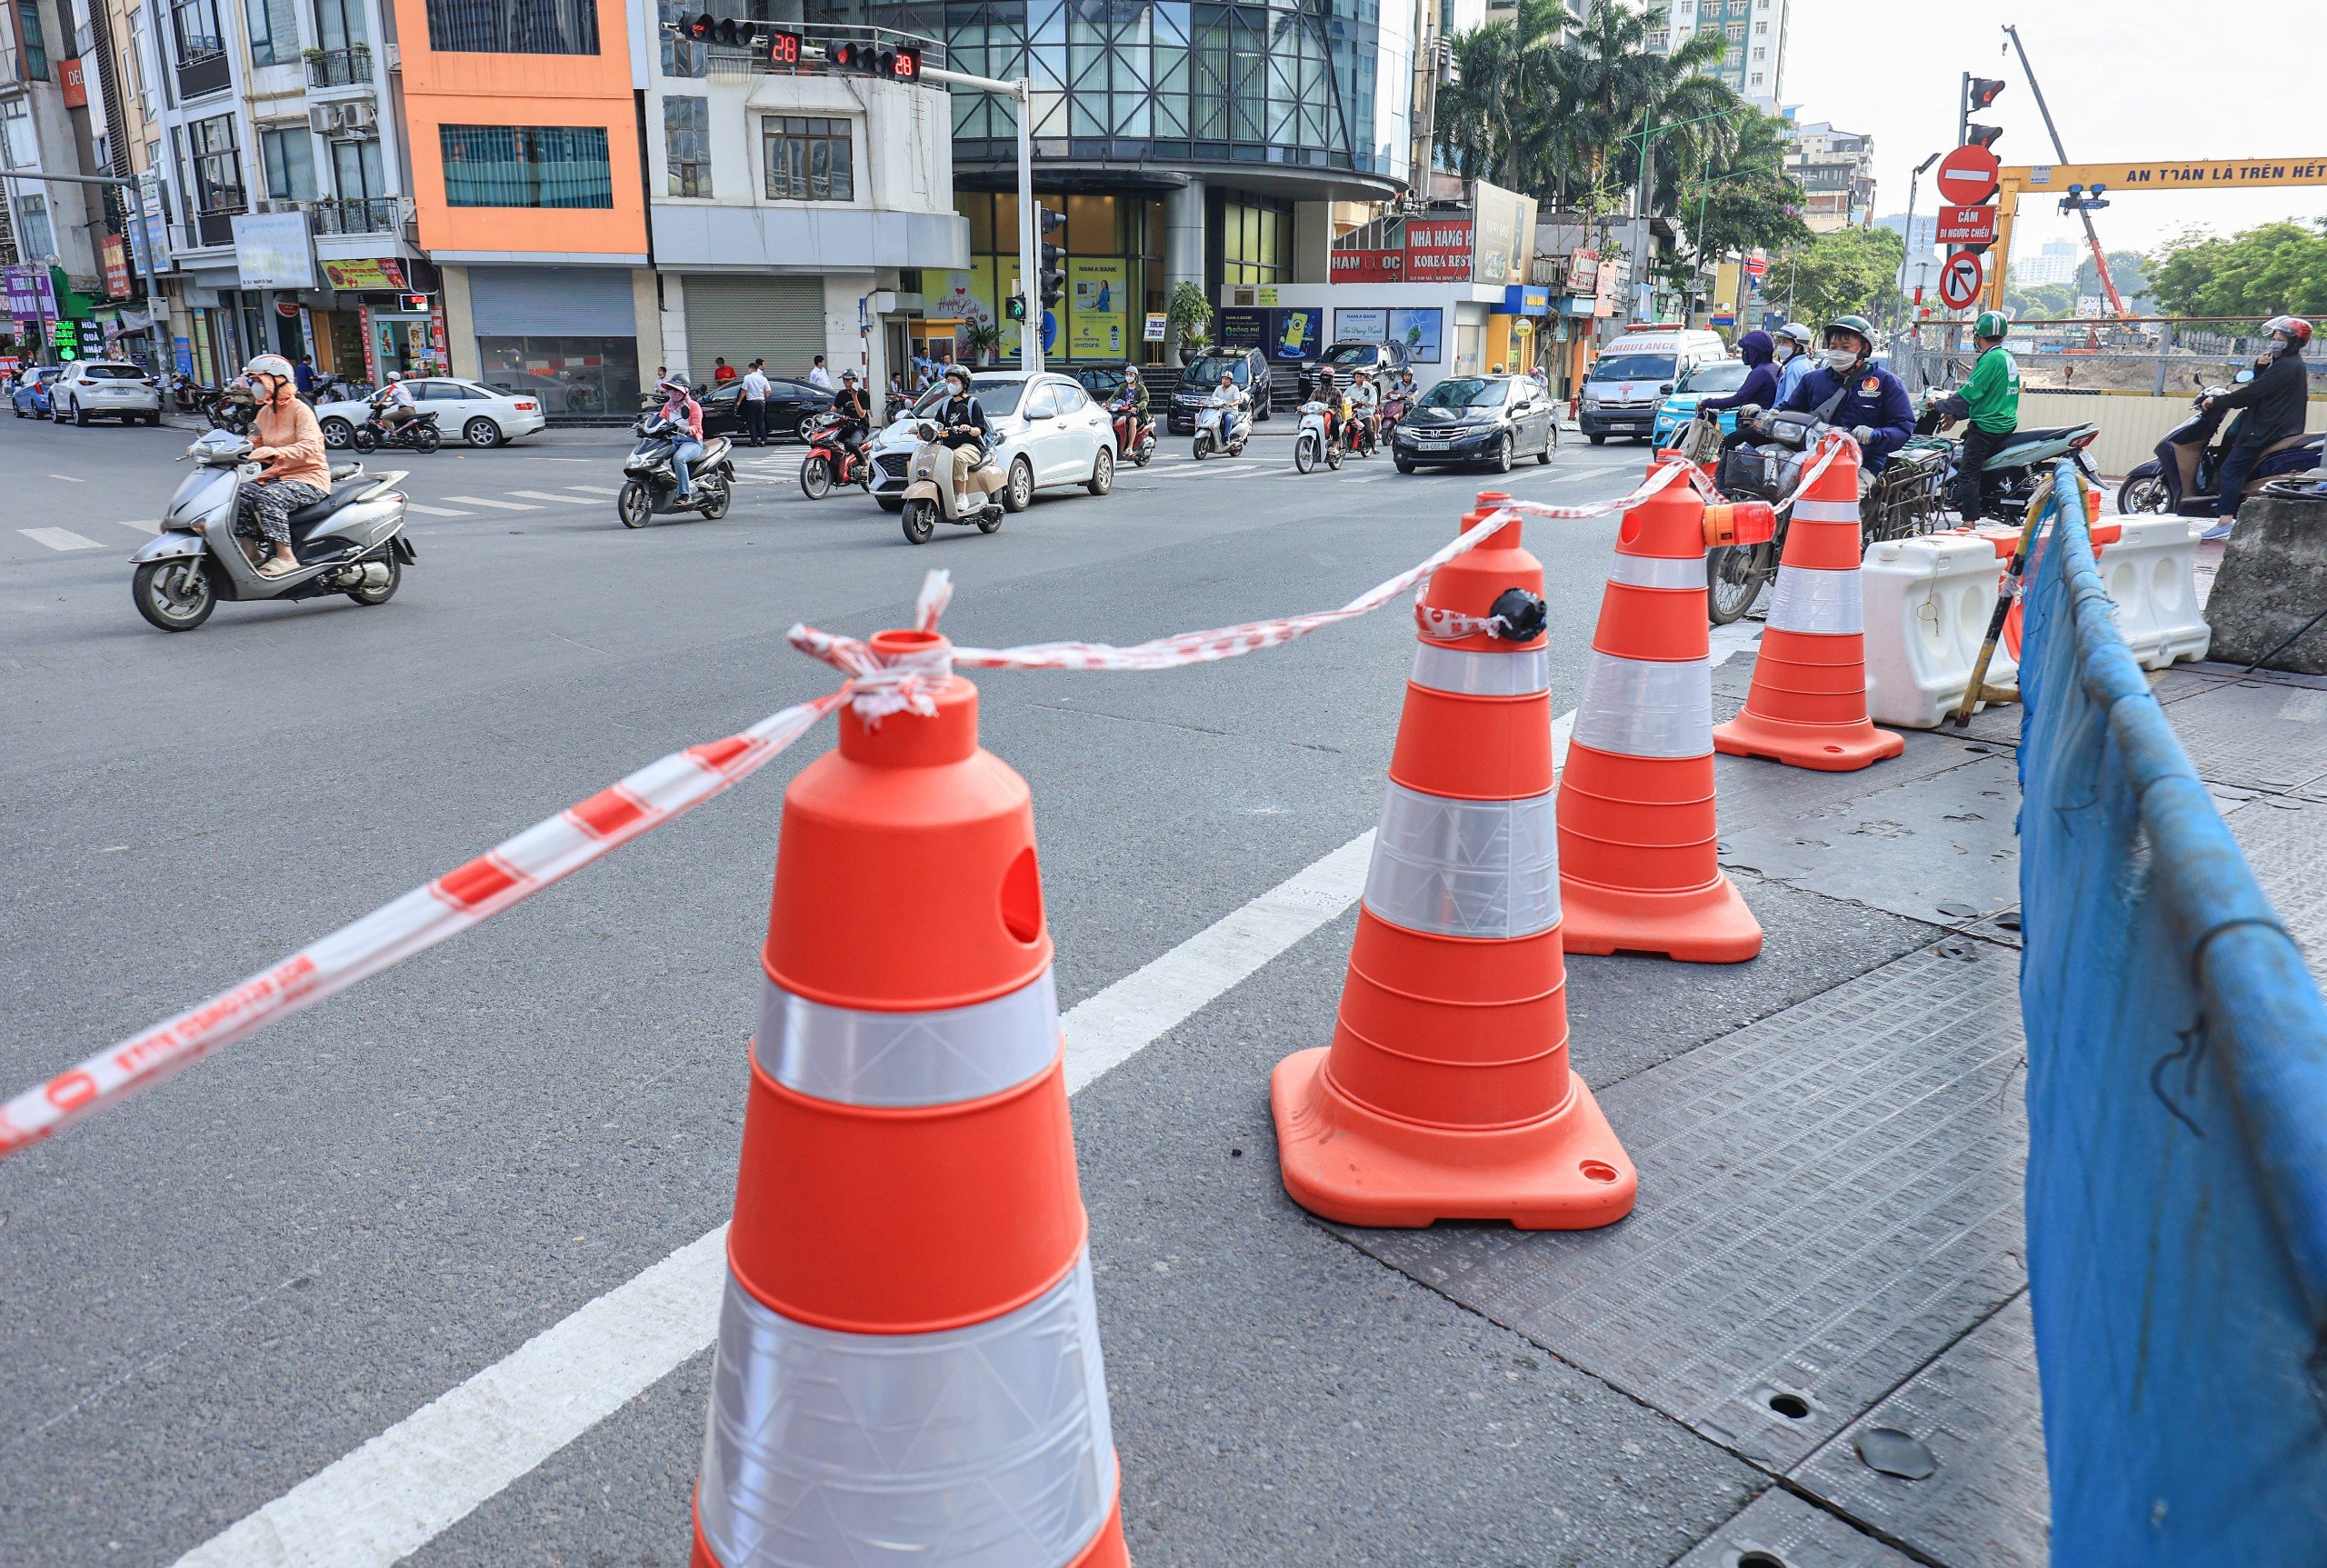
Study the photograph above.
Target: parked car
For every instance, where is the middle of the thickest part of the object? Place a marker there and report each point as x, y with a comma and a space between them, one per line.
1047, 432
30, 398
792, 407
1250, 370
1717, 378
464, 411
1491, 419
1635, 372
1100, 381
1376, 359
105, 389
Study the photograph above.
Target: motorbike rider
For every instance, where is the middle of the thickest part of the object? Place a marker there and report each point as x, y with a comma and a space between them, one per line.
961, 426
855, 412
1790, 352
294, 471
1989, 400
2275, 405
393, 406
1758, 390
1363, 404
683, 415
1233, 397
1851, 393
1133, 399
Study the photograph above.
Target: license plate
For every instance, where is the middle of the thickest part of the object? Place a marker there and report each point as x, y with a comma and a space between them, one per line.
1433, 445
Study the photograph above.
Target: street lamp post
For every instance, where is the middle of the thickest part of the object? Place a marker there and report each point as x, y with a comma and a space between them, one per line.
145, 257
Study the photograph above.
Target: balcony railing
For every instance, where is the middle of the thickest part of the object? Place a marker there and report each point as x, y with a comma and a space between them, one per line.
358, 215
204, 230
348, 67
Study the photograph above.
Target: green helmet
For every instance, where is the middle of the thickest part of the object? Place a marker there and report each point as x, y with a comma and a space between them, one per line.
1991, 325
1857, 323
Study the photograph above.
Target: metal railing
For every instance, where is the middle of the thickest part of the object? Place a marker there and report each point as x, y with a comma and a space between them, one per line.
348, 67
357, 215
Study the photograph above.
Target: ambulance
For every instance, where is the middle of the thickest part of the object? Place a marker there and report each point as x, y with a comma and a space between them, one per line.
1635, 372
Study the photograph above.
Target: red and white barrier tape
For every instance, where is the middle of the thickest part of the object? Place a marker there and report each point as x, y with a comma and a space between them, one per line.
509, 874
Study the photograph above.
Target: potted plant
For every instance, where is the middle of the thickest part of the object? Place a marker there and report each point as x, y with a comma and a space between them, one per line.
985, 340
1187, 318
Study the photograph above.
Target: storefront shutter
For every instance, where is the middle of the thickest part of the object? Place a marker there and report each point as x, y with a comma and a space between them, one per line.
739, 319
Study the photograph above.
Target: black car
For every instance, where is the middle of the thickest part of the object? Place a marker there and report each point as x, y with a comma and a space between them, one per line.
1376, 359
792, 406
1104, 384
1491, 419
1250, 370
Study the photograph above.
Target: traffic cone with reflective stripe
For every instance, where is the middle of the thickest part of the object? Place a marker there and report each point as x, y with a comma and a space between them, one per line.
1638, 846
1807, 706
908, 1359
1446, 1093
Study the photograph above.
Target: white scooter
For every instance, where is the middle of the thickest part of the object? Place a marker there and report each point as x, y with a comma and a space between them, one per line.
930, 498
350, 543
1221, 427
1315, 440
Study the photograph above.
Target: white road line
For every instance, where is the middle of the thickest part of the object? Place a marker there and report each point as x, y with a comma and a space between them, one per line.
435, 511
148, 528
412, 1483
550, 496
59, 539
68, 478
498, 506
591, 489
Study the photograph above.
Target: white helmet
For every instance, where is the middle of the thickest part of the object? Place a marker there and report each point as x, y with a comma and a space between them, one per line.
395, 375
272, 365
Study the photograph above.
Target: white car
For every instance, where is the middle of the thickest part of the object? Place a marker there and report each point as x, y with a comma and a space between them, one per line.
464, 411
1048, 434
105, 389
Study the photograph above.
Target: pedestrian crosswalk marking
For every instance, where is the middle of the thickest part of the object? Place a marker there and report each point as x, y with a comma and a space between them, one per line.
59, 539
141, 527
591, 489
437, 511
548, 495
498, 506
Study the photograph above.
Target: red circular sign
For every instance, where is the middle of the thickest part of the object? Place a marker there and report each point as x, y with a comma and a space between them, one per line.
287, 307
1968, 174
1959, 279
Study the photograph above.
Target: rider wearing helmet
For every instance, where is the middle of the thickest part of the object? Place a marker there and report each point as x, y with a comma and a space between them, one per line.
1790, 349
855, 409
1989, 400
683, 415
1849, 391
2275, 403
294, 471
1134, 396
393, 406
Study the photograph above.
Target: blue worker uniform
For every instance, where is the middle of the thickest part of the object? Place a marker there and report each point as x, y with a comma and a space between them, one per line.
1871, 396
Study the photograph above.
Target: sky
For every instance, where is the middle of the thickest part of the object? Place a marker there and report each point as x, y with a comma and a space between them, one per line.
2127, 80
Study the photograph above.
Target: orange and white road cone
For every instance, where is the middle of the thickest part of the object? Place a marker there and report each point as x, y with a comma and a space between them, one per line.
908, 1363
1446, 1093
1807, 707
1639, 870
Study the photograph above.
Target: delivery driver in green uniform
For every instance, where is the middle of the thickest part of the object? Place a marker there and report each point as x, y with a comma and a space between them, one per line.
1991, 401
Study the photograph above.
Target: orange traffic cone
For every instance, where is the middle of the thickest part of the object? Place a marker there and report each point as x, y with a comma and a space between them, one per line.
1807, 706
908, 1361
1447, 1094
1638, 846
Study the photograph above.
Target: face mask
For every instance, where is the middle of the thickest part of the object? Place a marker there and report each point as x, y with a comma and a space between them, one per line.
1781, 351
1838, 358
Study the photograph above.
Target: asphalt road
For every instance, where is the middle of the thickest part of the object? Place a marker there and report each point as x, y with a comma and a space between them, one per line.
214, 1291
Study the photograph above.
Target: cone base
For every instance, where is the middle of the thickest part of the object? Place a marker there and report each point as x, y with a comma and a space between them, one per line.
1828, 748
1106, 1549
1709, 924
1341, 1162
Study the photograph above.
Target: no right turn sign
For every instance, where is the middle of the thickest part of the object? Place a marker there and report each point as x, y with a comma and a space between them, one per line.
1960, 280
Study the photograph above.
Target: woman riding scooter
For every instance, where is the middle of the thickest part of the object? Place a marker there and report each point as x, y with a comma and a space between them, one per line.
294, 471
961, 426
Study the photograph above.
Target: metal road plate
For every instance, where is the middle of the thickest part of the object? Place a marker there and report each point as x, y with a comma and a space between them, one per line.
1828, 1198
1780, 1530
2285, 842
2265, 733
1942, 848
1977, 1413
1753, 791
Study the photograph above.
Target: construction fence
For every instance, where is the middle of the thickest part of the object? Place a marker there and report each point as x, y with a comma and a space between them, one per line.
2177, 1099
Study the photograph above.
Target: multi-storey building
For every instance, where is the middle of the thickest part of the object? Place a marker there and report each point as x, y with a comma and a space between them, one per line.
43, 124
1752, 63
1835, 169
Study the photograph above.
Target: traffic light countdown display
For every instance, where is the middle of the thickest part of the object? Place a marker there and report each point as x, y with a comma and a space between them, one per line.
900, 63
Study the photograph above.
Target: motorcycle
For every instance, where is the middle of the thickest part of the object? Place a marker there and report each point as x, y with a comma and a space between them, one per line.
1360, 437
829, 461
1215, 435
350, 543
2184, 477
650, 485
1316, 438
231, 408
2008, 478
1138, 450
930, 497
418, 433
1393, 409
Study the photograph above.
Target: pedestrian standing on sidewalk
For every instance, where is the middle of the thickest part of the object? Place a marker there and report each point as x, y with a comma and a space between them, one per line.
819, 377
753, 403
303, 376
722, 373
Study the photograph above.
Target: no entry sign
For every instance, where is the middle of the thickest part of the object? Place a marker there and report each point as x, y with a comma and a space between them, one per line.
1966, 227
1959, 279
1968, 173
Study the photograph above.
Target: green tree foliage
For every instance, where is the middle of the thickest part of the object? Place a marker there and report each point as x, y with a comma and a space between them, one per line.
2277, 269
1743, 197
1849, 271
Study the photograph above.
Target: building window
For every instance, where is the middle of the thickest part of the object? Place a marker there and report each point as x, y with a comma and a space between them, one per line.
514, 27
35, 55
275, 32
18, 149
527, 166
34, 240
808, 160
340, 23
1757, 78
289, 156
194, 23
687, 145
217, 171
1761, 29
1255, 244
355, 170
1761, 54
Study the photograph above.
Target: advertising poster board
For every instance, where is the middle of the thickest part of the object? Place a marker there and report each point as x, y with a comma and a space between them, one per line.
1298, 333
271, 250
1238, 330
1366, 266
1355, 326
1098, 308
1438, 250
1422, 331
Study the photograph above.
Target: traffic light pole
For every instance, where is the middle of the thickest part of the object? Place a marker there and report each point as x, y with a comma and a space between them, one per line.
1030, 330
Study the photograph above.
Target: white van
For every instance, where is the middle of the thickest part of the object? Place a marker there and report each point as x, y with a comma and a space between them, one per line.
1635, 372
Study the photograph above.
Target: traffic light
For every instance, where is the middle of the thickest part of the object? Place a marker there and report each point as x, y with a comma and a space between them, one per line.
1015, 308
1979, 92
1982, 135
702, 27
1052, 276
784, 48
894, 64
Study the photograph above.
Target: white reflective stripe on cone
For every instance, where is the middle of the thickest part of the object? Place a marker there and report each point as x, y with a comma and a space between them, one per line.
1483, 672
979, 1447
1812, 599
1805, 511
1487, 868
936, 1058
1658, 572
1645, 707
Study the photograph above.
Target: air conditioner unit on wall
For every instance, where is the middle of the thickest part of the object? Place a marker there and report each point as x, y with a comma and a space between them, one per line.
323, 119
360, 116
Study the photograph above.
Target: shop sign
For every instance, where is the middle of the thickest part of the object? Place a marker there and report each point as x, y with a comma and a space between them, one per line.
1098, 300
1156, 323
1583, 273
1438, 250
272, 251
365, 276
76, 86
1242, 329
116, 263
1367, 266
183, 348
1506, 231
31, 292
10, 364
1360, 326
1522, 299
